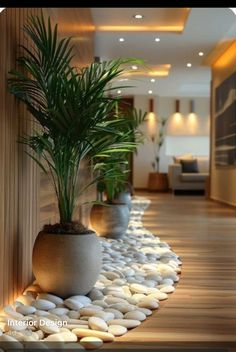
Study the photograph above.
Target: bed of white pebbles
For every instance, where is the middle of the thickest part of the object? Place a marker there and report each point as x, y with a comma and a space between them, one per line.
138, 271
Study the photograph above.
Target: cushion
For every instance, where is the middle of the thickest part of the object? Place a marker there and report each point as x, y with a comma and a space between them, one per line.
200, 177
189, 166
184, 156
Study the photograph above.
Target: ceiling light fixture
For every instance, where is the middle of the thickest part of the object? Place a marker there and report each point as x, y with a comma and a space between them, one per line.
233, 9
150, 92
134, 67
121, 39
200, 53
189, 64
138, 17
119, 91
157, 39
152, 80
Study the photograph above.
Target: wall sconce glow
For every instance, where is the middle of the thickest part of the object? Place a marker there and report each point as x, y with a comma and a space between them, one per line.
152, 123
157, 40
134, 67
2, 8
121, 39
177, 104
191, 106
192, 123
233, 9
150, 92
177, 118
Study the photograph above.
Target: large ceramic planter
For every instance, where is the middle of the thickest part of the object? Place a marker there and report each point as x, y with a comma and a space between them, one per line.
124, 197
110, 221
66, 264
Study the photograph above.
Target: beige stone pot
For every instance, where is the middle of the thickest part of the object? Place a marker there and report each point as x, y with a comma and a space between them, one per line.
110, 221
67, 264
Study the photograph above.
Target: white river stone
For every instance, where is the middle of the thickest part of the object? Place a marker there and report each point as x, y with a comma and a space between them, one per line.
73, 304
59, 311
96, 323
26, 310
73, 314
104, 336
10, 312
135, 315
167, 289
43, 304
138, 288
148, 303
49, 297
48, 326
117, 330
82, 299
91, 342
128, 323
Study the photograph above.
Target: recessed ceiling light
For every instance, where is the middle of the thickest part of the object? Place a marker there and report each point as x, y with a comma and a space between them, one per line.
119, 91
200, 53
152, 80
134, 67
233, 9
189, 64
121, 39
138, 16
157, 39
150, 92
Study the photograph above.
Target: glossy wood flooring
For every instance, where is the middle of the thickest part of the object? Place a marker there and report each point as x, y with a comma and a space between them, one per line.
201, 314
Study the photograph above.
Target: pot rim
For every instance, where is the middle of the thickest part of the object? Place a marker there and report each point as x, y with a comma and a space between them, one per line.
67, 234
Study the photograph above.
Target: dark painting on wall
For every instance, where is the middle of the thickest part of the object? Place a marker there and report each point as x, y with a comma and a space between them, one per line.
225, 122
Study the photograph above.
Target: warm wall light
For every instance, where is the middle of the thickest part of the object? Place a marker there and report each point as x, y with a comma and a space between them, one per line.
191, 106
177, 103
151, 105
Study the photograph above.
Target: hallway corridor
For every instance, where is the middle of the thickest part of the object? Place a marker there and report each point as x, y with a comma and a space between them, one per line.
202, 310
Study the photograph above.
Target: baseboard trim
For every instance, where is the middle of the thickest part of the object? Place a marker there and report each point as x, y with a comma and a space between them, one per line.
223, 202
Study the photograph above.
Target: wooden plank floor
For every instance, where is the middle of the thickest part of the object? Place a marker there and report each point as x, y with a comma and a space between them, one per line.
201, 313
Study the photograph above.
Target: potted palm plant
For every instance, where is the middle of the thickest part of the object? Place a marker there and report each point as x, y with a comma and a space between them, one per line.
71, 107
111, 219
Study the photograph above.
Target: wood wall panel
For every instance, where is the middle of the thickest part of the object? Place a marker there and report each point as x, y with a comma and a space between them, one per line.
223, 186
18, 176
20, 179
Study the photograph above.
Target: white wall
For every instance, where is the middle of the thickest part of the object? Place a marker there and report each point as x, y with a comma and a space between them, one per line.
185, 133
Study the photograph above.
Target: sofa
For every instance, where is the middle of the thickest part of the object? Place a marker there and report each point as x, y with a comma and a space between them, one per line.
188, 181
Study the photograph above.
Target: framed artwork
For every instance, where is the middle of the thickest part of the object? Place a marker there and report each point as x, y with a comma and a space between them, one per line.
225, 122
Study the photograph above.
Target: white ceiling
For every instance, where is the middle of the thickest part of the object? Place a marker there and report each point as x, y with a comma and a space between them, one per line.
204, 29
